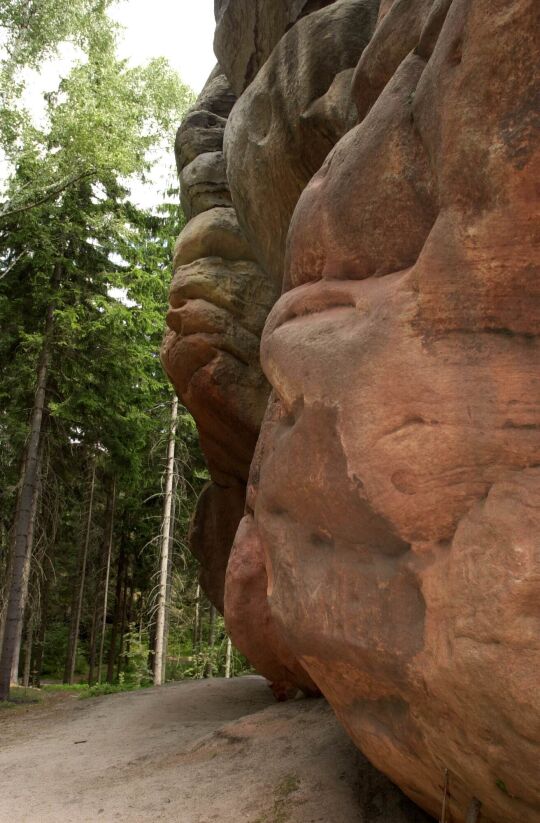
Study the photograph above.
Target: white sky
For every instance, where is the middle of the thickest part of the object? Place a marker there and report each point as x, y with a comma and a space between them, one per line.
181, 30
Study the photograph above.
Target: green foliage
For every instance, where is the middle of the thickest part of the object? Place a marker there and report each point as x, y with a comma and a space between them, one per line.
72, 241
101, 123
501, 785
21, 696
136, 671
56, 638
100, 689
33, 29
74, 688
198, 660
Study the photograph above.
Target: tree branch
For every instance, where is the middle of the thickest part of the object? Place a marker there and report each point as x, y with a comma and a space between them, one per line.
60, 187
12, 264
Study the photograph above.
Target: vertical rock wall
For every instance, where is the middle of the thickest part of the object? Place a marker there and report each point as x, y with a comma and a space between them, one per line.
383, 163
219, 301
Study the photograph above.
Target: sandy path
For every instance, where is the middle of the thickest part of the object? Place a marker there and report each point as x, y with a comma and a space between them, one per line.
192, 752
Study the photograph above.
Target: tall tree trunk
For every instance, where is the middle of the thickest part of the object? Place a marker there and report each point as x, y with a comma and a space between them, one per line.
78, 589
107, 576
5, 559
168, 596
474, 810
40, 640
129, 615
28, 651
99, 581
159, 670
23, 527
196, 622
228, 658
117, 610
44, 592
27, 564
124, 619
209, 668
93, 638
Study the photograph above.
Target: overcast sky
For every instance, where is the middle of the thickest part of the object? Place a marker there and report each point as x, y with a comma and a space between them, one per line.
181, 30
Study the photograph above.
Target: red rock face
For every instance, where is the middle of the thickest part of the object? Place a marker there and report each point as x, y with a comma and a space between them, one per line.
388, 554
224, 285
288, 119
397, 496
219, 300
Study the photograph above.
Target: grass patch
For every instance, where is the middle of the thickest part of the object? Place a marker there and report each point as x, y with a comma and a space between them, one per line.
100, 689
74, 688
19, 696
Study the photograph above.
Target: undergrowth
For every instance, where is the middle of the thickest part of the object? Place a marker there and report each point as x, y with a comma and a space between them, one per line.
20, 696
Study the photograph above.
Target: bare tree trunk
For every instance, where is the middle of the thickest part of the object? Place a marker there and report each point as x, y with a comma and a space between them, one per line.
99, 575
107, 576
117, 612
78, 591
169, 581
23, 527
28, 651
209, 668
159, 671
5, 561
40, 640
197, 616
45, 586
28, 563
124, 621
93, 640
129, 614
228, 658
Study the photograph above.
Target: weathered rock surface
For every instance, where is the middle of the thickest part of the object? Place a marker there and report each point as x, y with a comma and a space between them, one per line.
248, 30
250, 621
219, 301
212, 532
398, 492
203, 184
201, 132
388, 554
283, 126
218, 306
398, 32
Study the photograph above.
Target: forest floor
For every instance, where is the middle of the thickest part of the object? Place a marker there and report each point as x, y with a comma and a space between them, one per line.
190, 752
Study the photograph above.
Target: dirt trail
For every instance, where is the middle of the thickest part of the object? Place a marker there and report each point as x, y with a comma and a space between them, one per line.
192, 752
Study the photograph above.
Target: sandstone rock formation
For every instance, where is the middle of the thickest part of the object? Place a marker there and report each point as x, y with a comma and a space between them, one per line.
219, 301
389, 548
248, 30
289, 118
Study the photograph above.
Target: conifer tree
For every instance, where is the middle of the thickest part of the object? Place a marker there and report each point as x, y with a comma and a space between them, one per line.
68, 235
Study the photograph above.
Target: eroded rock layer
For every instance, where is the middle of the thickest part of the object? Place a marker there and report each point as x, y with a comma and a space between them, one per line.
219, 301
388, 553
289, 118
